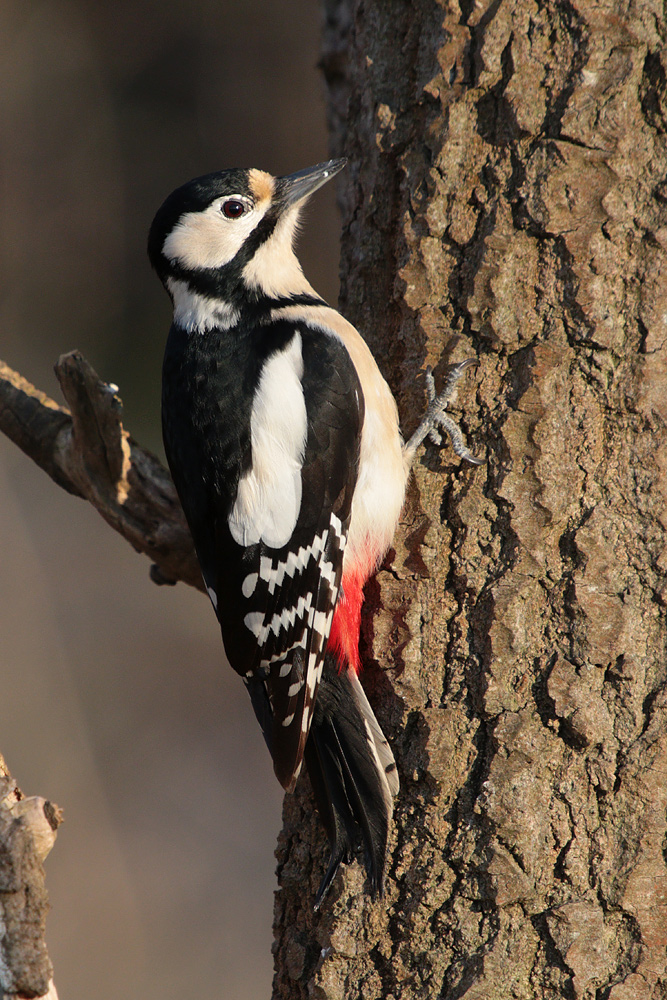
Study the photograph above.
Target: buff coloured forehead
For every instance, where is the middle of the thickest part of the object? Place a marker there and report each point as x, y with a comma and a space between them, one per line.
262, 186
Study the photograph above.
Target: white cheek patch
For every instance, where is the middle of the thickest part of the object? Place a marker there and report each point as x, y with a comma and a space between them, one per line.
207, 239
269, 495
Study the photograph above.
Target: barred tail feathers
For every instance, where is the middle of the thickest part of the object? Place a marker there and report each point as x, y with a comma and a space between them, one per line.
353, 773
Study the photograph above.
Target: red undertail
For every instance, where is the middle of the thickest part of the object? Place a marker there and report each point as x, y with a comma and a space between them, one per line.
344, 635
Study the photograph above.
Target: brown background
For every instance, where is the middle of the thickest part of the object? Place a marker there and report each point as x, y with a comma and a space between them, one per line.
121, 709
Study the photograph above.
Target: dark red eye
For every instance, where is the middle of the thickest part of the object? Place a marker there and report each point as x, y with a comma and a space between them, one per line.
233, 209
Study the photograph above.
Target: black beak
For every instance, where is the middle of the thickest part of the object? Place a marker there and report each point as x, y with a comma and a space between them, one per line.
296, 187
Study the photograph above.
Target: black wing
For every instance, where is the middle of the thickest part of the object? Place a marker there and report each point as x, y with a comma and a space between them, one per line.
275, 605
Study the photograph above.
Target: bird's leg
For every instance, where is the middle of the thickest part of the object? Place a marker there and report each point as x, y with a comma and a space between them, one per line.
436, 417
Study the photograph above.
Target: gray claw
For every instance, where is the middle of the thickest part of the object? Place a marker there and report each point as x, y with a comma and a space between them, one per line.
436, 417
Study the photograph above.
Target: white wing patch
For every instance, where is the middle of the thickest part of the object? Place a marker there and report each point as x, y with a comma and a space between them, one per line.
269, 495
383, 473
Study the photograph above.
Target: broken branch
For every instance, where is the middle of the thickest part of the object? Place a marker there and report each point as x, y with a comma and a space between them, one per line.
87, 452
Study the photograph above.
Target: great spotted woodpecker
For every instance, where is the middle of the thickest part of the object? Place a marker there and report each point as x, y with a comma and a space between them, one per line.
284, 445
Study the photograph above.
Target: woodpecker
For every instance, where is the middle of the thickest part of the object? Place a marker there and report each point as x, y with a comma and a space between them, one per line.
284, 445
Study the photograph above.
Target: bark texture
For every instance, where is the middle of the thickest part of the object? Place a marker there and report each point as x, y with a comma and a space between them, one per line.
505, 199
27, 834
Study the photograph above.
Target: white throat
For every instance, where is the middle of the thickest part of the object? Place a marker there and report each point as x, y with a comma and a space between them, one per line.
198, 313
274, 269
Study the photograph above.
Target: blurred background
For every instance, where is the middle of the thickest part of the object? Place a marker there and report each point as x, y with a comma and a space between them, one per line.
114, 699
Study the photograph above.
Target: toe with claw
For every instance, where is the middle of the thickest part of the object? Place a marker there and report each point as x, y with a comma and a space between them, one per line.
436, 418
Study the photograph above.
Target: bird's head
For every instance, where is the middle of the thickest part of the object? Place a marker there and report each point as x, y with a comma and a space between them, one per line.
229, 235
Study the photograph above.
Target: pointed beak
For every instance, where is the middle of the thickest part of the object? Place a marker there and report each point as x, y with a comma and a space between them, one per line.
299, 186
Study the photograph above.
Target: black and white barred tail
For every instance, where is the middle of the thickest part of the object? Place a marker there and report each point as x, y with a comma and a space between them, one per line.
353, 774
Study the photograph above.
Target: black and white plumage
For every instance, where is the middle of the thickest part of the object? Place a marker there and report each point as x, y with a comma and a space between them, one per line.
283, 441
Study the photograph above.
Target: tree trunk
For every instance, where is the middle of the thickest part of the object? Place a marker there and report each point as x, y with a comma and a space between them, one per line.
505, 200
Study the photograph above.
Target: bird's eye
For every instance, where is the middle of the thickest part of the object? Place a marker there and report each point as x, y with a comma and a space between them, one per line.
233, 208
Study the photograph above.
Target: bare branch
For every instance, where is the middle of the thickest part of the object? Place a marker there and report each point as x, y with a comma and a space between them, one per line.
27, 833
87, 451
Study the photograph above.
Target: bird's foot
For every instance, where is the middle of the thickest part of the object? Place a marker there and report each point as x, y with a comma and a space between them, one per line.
436, 418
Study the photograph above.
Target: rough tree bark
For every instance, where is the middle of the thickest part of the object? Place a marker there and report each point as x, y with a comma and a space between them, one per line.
506, 199
27, 834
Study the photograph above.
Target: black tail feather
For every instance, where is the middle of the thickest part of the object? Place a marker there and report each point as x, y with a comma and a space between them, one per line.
327, 780
352, 773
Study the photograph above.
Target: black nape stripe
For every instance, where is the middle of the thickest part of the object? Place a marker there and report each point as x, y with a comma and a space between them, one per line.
297, 300
226, 283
